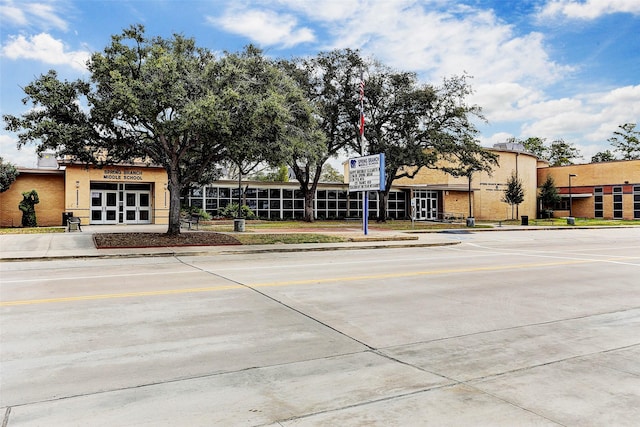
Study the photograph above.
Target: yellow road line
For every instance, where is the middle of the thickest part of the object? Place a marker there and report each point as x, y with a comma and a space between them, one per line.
290, 283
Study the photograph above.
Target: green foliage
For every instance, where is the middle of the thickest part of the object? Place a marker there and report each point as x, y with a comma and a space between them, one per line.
626, 141
330, 174
8, 174
535, 146
170, 103
281, 174
290, 238
549, 193
562, 153
231, 211
558, 153
29, 200
417, 126
603, 156
514, 193
192, 210
329, 80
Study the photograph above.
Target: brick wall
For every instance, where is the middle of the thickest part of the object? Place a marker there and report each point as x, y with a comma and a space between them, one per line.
50, 188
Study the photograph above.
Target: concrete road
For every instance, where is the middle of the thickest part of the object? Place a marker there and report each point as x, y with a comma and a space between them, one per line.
507, 328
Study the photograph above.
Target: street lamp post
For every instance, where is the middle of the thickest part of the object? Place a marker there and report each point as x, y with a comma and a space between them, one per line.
571, 220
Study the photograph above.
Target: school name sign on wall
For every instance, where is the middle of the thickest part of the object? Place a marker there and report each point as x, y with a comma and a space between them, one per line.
122, 175
366, 173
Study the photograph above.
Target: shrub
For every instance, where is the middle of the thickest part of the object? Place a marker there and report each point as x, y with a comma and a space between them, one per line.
192, 210
231, 211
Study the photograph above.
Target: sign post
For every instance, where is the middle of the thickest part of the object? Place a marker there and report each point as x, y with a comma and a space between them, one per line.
366, 174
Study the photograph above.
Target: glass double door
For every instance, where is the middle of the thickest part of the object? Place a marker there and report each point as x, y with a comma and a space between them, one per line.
120, 203
427, 204
104, 206
137, 207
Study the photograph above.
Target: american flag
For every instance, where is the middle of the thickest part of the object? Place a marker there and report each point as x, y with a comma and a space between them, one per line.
361, 104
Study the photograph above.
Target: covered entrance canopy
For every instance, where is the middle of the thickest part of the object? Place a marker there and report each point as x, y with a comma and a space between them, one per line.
440, 202
117, 194
120, 203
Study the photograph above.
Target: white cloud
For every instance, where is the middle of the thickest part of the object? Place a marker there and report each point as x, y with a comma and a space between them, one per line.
326, 10
586, 120
43, 47
25, 157
589, 9
437, 43
36, 14
12, 14
267, 28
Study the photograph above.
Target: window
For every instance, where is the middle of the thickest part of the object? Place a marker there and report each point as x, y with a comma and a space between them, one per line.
617, 203
636, 202
599, 202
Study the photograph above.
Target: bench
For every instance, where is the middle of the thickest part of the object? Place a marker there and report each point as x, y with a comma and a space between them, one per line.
73, 224
192, 220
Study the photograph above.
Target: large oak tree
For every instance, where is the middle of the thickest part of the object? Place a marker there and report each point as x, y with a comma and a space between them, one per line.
164, 101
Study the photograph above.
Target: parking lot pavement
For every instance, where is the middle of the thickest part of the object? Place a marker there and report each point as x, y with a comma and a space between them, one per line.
515, 328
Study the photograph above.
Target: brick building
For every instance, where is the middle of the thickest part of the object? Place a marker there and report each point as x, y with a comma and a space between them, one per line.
137, 193
609, 190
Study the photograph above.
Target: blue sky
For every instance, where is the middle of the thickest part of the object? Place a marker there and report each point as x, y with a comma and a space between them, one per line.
549, 68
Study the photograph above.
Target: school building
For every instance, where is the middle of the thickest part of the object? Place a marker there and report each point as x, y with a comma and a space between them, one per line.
138, 194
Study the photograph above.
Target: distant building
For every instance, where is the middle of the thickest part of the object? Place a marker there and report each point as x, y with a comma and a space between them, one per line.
609, 190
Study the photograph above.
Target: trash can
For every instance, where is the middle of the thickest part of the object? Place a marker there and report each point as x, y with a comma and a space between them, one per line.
525, 219
471, 221
571, 220
238, 224
65, 217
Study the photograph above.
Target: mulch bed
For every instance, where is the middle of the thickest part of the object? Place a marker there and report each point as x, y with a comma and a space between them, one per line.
153, 240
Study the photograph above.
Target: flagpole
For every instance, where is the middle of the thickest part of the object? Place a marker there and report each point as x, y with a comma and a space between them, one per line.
365, 203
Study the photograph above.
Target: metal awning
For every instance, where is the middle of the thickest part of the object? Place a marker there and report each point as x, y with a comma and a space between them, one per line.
443, 187
577, 195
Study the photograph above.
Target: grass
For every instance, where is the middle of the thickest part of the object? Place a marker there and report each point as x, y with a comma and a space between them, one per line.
313, 228
286, 238
31, 230
584, 222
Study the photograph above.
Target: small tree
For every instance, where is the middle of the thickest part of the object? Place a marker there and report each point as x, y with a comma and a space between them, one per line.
514, 193
8, 175
626, 141
549, 195
28, 207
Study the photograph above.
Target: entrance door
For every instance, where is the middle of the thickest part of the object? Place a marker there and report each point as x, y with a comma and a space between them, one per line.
137, 207
433, 208
427, 204
104, 207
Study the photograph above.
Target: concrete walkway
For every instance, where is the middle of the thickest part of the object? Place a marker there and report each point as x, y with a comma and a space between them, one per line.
20, 247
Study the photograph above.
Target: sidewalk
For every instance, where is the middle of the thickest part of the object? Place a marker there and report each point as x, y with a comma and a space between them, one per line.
25, 247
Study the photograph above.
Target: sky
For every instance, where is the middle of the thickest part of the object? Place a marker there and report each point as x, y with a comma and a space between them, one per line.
554, 69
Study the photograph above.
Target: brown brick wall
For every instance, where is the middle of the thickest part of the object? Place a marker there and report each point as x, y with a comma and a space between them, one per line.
50, 188
625, 174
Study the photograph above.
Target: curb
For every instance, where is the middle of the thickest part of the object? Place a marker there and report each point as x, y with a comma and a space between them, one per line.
248, 250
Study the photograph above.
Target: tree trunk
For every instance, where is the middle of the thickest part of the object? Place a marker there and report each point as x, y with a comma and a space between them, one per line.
174, 204
382, 205
308, 204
